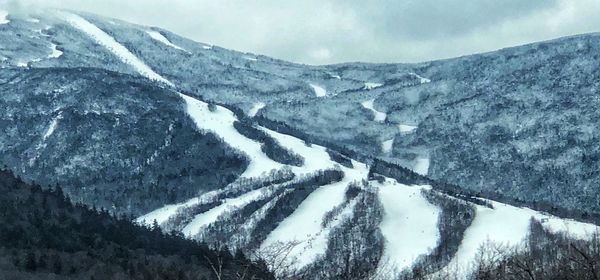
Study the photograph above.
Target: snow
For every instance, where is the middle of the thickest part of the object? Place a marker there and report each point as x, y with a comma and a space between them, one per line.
161, 38
254, 110
509, 226
421, 166
335, 76
3, 17
304, 225
207, 47
52, 127
370, 86
33, 20
115, 47
250, 58
421, 79
56, 53
220, 122
405, 128
379, 116
210, 216
409, 224
162, 214
319, 91
386, 146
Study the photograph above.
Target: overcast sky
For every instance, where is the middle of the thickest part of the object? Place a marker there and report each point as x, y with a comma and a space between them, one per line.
332, 31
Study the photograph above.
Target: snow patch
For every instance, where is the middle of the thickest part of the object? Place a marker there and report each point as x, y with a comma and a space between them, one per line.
33, 20
386, 146
422, 80
115, 47
335, 76
405, 128
3, 17
379, 116
255, 108
421, 166
56, 53
161, 38
52, 126
250, 58
319, 91
207, 47
370, 86
409, 225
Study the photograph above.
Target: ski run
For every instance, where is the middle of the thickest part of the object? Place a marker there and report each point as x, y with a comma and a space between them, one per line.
409, 223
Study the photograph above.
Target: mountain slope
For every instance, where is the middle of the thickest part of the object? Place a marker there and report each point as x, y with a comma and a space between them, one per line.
272, 184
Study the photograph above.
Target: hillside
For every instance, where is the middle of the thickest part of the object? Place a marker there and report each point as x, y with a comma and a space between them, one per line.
43, 235
325, 172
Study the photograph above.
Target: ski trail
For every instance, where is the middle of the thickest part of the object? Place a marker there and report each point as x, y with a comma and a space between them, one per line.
115, 47
162, 39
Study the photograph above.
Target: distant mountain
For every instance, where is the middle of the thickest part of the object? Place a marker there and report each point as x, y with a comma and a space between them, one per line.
326, 172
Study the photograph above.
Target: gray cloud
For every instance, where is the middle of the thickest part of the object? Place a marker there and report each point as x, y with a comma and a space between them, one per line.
331, 31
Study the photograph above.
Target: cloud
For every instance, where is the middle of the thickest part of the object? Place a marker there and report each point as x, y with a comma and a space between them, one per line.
332, 31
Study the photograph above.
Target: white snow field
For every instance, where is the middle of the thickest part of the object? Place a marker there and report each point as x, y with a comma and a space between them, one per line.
508, 226
421, 166
161, 38
56, 53
115, 47
319, 91
370, 86
255, 108
3, 17
379, 116
387, 145
409, 225
304, 225
421, 79
405, 128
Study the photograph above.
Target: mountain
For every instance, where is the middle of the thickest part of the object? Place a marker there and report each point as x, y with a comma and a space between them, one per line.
340, 171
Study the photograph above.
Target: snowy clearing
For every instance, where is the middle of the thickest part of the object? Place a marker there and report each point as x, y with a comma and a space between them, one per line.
220, 122
56, 53
386, 146
421, 79
319, 91
255, 108
3, 17
161, 38
370, 86
405, 128
379, 116
421, 166
115, 47
409, 224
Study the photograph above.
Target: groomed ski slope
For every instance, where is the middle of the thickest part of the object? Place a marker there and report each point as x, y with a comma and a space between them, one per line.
162, 39
115, 47
508, 225
409, 225
379, 116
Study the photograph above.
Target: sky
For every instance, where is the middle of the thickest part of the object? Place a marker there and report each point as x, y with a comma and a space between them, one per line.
335, 31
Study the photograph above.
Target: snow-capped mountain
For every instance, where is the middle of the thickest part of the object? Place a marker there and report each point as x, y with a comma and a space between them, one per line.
304, 166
